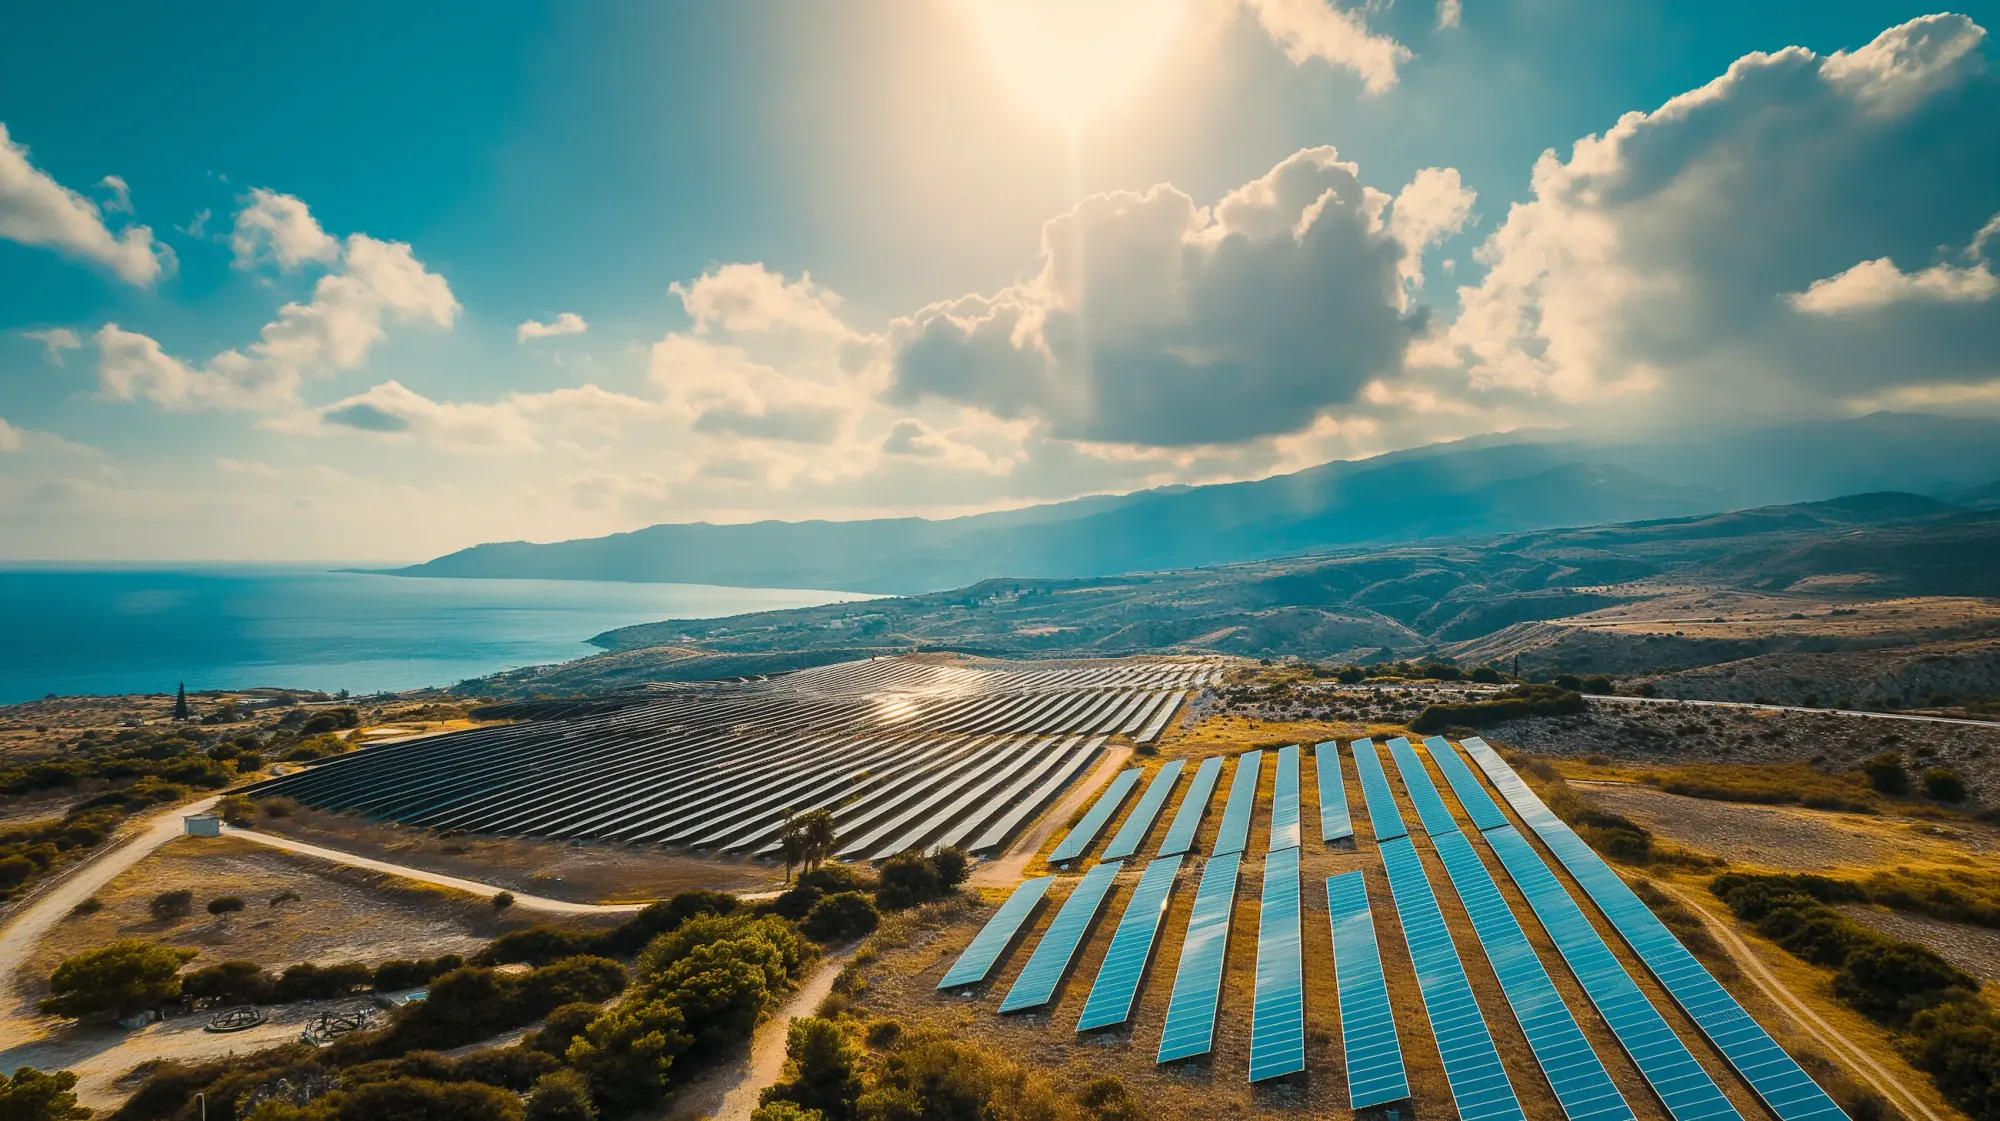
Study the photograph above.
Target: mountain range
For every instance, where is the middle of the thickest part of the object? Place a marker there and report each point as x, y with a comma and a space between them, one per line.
1472, 488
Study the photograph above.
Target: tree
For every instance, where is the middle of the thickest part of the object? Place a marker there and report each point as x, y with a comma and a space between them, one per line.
1944, 784
1486, 675
170, 905
181, 703
822, 1069
561, 1095
225, 904
122, 978
840, 917
807, 839
33, 1095
237, 810
1887, 774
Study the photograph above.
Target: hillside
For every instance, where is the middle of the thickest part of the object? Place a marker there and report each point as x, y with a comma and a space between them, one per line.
1491, 485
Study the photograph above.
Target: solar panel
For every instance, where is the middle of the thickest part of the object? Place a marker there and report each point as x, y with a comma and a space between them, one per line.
1278, 1010
1285, 800
1117, 985
1190, 1028
1663, 1060
1194, 804
1234, 835
1079, 837
1335, 824
1581, 1084
1383, 816
1126, 841
1479, 805
979, 958
1479, 1085
1423, 793
997, 833
1375, 1074
1773, 1074
1036, 986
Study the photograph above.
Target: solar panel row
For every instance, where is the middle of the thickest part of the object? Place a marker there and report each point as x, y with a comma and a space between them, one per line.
1140, 822
1383, 816
1234, 835
1190, 1027
1085, 831
1036, 986
1285, 800
1375, 1073
1194, 805
1117, 985
979, 958
1334, 821
1278, 1011
1479, 1086
1776, 1077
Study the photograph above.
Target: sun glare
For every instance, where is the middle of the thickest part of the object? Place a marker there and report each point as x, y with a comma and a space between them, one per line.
1072, 58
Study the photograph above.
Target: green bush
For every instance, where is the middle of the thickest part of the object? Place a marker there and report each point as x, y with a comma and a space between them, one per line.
229, 982
398, 974
822, 1070
1944, 784
1891, 981
536, 945
562, 1027
1887, 774
840, 917
420, 1099
225, 905
309, 981
123, 978
1958, 1045
1517, 703
562, 1095
581, 979
170, 905
930, 1076
32, 1095
910, 878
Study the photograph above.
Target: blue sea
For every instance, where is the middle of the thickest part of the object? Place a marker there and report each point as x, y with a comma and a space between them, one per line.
122, 630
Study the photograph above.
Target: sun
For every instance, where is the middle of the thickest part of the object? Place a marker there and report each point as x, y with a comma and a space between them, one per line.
1070, 59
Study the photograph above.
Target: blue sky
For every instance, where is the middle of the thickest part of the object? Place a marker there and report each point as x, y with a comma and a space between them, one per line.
381, 281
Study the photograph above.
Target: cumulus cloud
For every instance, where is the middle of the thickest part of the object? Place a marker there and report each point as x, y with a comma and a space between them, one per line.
279, 228
750, 297
1309, 29
37, 210
10, 437
718, 388
1450, 13
1156, 321
54, 341
1763, 245
568, 323
120, 201
372, 284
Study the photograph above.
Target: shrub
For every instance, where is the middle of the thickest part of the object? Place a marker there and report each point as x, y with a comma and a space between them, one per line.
633, 935
225, 905
785, 1111
237, 810
909, 878
286, 896
1486, 675
1958, 1045
562, 1095
170, 905
1891, 981
822, 1070
1944, 784
516, 1068
1516, 703
503, 900
1597, 685
308, 981
1107, 1099
1568, 681
32, 1095
421, 1099
398, 974
928, 1076
229, 982
840, 917
628, 1052
573, 980
89, 906
1887, 774
536, 945
561, 1028
122, 978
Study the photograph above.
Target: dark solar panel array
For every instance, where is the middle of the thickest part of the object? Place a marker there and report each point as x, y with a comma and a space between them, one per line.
1278, 1011
1190, 1028
1078, 839
1777, 1078
1335, 824
1140, 821
1234, 835
1285, 800
1194, 804
1117, 985
1036, 986
979, 958
1375, 1073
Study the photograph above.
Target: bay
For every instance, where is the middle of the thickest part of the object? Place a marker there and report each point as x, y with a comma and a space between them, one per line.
126, 630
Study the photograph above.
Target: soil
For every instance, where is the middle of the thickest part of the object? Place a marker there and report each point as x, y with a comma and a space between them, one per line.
1796, 840
1975, 949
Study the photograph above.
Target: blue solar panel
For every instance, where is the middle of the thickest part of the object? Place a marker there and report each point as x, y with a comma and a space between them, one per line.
1078, 839
1581, 1084
1037, 983
1126, 841
1375, 1074
1479, 1085
1334, 822
1383, 816
1235, 833
1278, 1012
1431, 810
1775, 1076
1682, 1085
1285, 800
1117, 985
1187, 819
1479, 805
1190, 1028
979, 958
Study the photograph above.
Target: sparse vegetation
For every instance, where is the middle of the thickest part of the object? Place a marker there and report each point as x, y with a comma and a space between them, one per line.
1516, 703
120, 979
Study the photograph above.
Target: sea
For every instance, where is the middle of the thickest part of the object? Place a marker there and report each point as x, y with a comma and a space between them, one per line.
110, 630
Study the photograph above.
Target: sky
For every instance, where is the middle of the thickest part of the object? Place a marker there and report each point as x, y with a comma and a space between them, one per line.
377, 282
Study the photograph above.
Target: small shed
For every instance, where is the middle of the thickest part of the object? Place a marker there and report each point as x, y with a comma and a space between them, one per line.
202, 825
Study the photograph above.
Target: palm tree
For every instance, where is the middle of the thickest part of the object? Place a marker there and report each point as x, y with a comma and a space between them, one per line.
807, 839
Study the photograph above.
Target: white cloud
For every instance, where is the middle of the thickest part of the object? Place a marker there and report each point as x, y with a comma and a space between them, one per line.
280, 228
121, 194
568, 323
10, 437
1308, 29
37, 210
392, 409
1450, 13
54, 341
1712, 257
1157, 321
372, 284
750, 297
717, 388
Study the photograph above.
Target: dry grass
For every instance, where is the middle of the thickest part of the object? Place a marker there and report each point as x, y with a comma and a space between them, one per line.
580, 873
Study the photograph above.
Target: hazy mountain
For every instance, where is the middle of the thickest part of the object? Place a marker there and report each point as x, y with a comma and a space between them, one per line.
1469, 488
